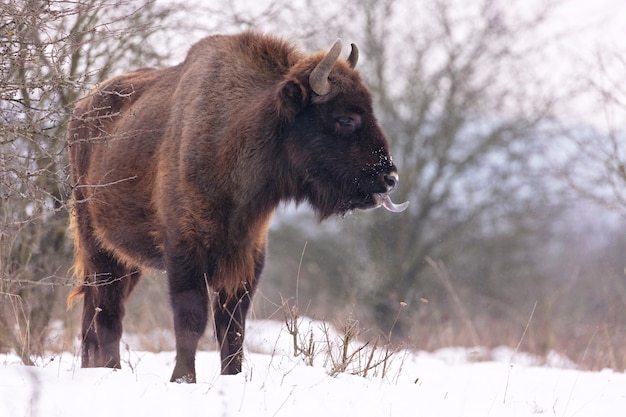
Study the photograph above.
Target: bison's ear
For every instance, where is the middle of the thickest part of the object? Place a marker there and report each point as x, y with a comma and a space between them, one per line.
292, 97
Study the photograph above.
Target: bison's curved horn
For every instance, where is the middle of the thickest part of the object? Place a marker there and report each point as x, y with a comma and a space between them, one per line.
319, 76
354, 56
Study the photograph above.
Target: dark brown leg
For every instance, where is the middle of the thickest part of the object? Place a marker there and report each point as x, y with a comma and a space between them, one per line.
230, 319
105, 293
89, 342
190, 303
230, 325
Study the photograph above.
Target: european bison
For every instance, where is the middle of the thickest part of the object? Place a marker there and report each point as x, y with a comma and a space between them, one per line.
180, 169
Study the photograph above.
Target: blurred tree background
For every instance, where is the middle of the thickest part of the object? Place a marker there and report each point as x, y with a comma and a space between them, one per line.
515, 233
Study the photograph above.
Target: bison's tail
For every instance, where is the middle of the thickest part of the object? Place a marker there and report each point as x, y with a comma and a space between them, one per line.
75, 294
78, 270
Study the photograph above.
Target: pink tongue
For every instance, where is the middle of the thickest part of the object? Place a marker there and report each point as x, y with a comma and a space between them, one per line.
391, 206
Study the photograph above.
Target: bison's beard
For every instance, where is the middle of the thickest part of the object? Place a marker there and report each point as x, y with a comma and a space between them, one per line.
337, 200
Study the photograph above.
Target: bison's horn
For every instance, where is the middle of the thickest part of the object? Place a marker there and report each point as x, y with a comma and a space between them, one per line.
354, 56
319, 76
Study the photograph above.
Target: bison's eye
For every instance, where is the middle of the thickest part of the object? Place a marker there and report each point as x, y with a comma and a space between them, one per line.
348, 124
345, 121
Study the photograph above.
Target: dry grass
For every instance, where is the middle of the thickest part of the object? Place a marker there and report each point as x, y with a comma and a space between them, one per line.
341, 344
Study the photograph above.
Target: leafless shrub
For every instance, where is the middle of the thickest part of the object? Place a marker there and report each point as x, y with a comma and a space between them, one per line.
52, 53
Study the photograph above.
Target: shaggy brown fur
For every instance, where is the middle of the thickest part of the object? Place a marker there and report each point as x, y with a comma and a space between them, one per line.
181, 168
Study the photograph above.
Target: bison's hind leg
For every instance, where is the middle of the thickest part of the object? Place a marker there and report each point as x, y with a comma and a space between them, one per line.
107, 285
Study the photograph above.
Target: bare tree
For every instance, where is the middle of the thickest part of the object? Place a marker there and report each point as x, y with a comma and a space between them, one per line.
596, 164
466, 116
52, 53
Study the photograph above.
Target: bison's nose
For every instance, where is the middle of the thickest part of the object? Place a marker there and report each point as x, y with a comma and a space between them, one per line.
392, 181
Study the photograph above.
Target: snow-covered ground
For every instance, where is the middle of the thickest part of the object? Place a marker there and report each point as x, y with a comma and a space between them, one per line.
449, 382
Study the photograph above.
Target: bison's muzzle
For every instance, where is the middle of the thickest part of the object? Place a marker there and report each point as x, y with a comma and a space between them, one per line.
383, 199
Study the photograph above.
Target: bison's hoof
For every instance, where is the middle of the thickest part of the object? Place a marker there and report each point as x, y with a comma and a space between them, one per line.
185, 379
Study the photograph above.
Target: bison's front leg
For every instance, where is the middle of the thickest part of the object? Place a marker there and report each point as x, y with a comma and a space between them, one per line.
230, 325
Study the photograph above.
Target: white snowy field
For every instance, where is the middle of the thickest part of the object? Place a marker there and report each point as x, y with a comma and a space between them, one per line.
449, 382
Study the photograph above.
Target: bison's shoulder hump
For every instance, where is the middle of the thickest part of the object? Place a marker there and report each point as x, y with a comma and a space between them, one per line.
249, 50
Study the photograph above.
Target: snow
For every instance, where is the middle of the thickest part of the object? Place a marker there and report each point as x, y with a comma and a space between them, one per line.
448, 382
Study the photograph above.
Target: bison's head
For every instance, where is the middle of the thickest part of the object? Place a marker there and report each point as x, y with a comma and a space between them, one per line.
336, 150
